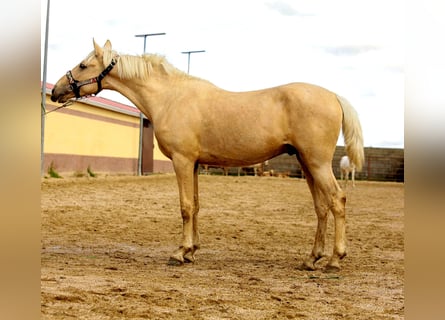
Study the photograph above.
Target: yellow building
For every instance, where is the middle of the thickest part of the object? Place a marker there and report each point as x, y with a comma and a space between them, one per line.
101, 134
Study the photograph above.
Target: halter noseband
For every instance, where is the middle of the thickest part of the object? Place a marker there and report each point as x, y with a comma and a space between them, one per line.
75, 85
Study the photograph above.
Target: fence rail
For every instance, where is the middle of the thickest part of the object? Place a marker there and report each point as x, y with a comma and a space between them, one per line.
381, 164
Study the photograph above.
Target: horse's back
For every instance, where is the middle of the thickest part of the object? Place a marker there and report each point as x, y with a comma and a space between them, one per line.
289, 104
242, 128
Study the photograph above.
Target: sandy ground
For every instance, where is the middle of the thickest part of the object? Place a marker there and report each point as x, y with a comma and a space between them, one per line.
106, 242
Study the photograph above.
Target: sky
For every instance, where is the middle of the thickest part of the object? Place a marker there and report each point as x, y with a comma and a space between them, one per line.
353, 48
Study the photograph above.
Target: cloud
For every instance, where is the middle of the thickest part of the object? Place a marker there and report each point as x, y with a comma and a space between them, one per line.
369, 93
113, 22
286, 9
349, 50
398, 69
398, 142
54, 46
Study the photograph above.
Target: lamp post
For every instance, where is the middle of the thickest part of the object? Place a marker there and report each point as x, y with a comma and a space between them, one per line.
188, 53
145, 35
141, 115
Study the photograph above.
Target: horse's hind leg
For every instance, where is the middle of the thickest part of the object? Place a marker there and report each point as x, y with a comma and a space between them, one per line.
327, 196
320, 235
335, 200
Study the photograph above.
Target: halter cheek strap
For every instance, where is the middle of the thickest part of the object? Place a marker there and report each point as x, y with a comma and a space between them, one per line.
75, 85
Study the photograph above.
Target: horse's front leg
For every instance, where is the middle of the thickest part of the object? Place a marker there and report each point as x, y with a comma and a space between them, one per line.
185, 176
190, 256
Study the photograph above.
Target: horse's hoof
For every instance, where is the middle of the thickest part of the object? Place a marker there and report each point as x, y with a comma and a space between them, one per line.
174, 262
331, 269
189, 258
305, 266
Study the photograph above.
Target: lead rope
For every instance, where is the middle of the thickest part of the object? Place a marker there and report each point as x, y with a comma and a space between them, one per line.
66, 104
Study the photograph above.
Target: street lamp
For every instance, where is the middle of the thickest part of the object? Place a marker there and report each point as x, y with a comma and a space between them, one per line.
188, 53
141, 115
145, 35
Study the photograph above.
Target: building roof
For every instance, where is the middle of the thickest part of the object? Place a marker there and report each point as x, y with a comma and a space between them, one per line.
104, 103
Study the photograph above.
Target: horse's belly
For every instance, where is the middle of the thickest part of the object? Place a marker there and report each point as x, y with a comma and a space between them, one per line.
239, 150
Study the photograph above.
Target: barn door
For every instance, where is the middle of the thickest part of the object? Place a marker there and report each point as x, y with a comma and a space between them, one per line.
147, 147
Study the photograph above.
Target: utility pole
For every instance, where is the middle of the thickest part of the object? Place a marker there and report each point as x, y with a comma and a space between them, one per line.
141, 115
188, 53
43, 103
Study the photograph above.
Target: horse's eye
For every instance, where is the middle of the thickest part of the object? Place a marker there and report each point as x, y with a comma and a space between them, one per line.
82, 66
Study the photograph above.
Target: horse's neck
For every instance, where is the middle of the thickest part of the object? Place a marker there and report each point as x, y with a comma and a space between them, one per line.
152, 94
144, 94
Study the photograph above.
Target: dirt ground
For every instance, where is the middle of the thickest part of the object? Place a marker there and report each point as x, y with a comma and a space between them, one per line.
106, 242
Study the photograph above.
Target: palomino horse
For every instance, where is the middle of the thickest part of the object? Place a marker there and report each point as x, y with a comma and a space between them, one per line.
345, 168
196, 122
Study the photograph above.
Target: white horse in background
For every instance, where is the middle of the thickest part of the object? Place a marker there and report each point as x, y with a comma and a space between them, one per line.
347, 167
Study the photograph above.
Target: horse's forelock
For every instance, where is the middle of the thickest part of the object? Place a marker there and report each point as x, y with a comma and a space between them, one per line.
89, 56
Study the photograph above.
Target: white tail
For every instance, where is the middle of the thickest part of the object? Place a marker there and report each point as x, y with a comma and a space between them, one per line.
352, 134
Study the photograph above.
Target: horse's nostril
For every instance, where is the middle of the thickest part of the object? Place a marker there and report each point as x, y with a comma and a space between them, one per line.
53, 95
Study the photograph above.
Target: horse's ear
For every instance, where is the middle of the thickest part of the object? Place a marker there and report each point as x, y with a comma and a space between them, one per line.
107, 45
97, 49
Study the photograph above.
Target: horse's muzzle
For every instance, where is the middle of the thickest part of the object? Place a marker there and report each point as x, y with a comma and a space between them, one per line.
58, 95
53, 97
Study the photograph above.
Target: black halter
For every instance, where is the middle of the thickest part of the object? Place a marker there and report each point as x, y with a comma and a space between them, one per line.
75, 85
